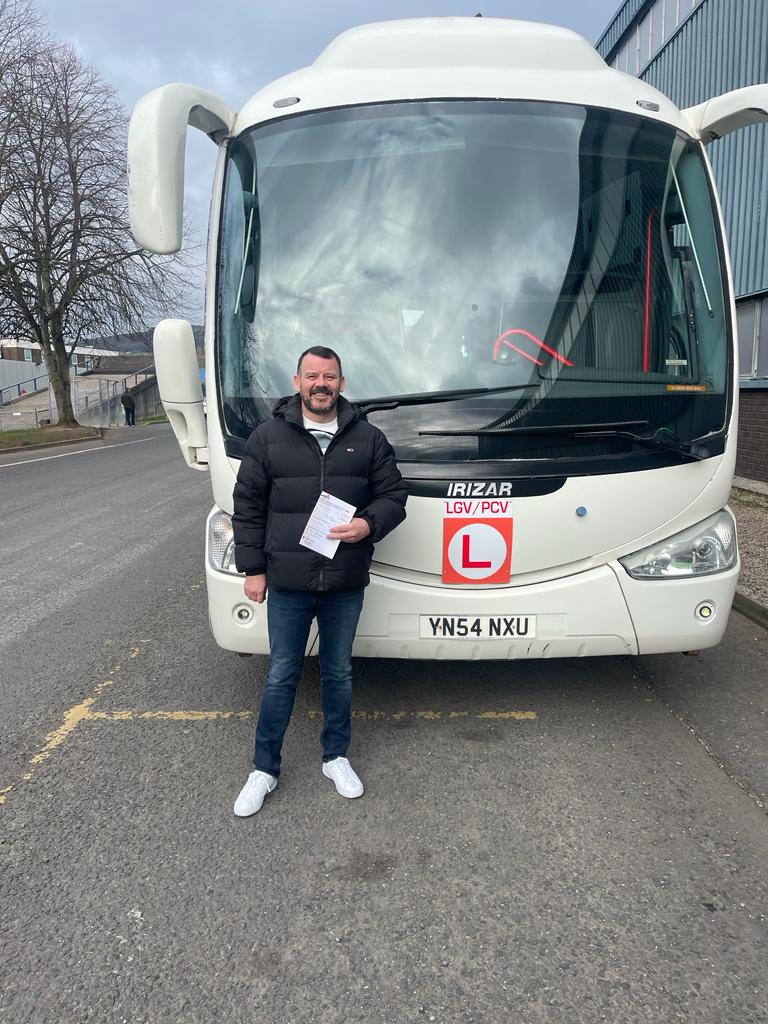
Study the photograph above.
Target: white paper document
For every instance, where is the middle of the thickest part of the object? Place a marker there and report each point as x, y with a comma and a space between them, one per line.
328, 512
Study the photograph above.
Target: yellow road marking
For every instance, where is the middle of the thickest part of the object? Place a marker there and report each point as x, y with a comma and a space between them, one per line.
520, 715
172, 716
433, 716
72, 718
369, 716
54, 739
83, 712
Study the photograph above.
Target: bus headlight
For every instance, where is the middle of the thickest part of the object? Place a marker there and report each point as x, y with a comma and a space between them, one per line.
221, 543
700, 550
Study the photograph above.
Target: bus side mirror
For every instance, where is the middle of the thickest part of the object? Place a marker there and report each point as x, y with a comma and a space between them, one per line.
157, 138
178, 378
727, 113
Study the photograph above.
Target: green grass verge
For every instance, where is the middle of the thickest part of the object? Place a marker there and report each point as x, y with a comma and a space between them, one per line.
35, 437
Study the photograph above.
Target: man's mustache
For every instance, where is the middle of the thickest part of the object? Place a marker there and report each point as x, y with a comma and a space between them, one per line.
321, 391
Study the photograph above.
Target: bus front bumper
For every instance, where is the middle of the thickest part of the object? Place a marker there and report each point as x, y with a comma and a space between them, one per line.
602, 611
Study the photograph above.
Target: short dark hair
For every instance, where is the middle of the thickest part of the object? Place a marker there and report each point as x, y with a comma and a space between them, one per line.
323, 353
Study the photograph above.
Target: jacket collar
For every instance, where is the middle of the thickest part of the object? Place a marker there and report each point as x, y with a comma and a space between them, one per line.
290, 410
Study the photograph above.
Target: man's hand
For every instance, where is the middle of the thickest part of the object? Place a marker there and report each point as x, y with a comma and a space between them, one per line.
256, 588
350, 532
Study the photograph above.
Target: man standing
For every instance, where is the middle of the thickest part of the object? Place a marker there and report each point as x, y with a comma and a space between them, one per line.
129, 406
316, 441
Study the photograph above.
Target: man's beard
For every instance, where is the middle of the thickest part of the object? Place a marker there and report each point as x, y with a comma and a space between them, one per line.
320, 408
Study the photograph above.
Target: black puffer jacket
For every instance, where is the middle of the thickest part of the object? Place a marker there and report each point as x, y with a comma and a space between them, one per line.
281, 476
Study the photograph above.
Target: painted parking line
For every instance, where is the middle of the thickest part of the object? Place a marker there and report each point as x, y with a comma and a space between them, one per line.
85, 712
434, 716
73, 717
371, 716
168, 716
84, 451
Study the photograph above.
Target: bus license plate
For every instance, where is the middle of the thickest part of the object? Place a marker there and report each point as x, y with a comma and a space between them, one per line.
477, 627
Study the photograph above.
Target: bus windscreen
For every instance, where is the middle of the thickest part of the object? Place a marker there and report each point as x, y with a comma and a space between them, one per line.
570, 254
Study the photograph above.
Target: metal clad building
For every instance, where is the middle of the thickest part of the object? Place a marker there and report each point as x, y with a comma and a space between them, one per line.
692, 50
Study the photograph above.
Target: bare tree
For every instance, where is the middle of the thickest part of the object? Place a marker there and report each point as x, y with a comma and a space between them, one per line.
19, 27
69, 268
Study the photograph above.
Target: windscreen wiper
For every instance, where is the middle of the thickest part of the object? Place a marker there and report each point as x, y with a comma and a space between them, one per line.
560, 428
366, 405
662, 440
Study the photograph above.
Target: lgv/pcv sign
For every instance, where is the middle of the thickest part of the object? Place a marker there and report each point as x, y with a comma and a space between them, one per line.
477, 540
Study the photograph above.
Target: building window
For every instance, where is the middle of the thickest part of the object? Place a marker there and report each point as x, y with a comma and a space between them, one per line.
673, 16
747, 327
27, 355
649, 35
644, 40
660, 22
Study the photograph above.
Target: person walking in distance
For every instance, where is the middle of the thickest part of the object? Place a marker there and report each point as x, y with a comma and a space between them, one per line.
129, 407
316, 441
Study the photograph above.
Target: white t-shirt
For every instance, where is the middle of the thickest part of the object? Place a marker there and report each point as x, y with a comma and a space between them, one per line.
322, 432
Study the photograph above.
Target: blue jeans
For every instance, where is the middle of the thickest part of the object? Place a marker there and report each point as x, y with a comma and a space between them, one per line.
289, 616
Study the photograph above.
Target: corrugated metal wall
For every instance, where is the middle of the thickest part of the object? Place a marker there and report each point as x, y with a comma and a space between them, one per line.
723, 46
621, 22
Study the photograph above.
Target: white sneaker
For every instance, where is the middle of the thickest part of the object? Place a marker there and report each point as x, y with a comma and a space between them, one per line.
344, 777
252, 794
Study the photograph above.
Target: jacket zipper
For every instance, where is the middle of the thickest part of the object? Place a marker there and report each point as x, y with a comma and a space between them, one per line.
311, 441
323, 483
322, 488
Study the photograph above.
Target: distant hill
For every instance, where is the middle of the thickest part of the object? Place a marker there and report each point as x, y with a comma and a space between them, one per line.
136, 342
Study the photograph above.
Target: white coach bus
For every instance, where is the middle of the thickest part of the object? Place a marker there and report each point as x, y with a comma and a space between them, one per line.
519, 254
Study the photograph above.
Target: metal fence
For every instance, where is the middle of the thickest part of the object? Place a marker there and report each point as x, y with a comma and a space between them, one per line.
24, 387
41, 380
96, 402
21, 420
103, 408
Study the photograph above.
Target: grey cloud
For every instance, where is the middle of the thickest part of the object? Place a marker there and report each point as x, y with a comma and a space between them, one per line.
235, 48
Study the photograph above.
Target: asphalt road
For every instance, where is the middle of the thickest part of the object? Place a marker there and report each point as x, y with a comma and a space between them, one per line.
566, 841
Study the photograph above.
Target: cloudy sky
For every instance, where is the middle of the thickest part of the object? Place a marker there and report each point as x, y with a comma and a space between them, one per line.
234, 48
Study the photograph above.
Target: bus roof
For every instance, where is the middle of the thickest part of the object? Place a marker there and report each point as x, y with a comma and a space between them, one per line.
457, 58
